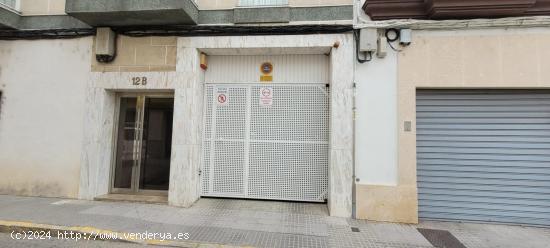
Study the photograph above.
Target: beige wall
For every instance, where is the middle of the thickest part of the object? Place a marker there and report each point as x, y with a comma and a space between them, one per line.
229, 4
42, 7
513, 58
140, 54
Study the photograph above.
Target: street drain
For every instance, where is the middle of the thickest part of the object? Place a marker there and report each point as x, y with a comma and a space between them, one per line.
441, 238
355, 229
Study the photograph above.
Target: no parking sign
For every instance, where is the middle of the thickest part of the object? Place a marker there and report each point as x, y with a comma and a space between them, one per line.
266, 96
222, 96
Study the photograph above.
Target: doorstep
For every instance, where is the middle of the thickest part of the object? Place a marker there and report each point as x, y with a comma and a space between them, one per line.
151, 199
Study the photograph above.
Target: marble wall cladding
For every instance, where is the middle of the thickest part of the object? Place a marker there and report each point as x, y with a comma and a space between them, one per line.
341, 79
184, 187
96, 159
186, 150
341, 138
97, 143
342, 117
120, 81
340, 182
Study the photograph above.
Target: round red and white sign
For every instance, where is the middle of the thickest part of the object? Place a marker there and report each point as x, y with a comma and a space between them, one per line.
222, 98
266, 92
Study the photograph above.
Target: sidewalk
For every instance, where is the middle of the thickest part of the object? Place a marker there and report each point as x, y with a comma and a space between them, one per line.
222, 222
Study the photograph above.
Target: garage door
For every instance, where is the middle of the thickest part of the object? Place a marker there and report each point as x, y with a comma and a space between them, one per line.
266, 142
484, 155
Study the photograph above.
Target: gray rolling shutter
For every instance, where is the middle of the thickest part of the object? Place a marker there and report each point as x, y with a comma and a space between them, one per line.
484, 155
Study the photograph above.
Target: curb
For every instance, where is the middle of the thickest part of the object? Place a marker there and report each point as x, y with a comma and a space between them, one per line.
101, 235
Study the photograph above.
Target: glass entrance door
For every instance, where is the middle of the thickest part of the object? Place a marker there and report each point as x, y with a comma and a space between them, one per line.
144, 144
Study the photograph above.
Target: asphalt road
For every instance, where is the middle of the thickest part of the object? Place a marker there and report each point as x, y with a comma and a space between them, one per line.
7, 241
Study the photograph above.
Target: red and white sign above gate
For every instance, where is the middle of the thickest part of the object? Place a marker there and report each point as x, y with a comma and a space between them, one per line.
222, 96
266, 96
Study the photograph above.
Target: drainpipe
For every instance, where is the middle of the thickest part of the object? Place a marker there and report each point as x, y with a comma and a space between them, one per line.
356, 5
354, 110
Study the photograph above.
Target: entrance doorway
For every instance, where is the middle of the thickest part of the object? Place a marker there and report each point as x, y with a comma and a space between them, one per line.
143, 144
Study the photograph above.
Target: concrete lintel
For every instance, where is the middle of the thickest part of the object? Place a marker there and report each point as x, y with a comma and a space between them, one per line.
8, 18
276, 14
133, 12
47, 22
133, 16
322, 13
216, 16
261, 15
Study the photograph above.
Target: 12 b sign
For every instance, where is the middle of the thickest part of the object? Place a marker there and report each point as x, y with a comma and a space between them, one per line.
141, 81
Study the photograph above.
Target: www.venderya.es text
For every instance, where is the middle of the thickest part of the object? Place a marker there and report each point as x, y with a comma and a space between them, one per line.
79, 236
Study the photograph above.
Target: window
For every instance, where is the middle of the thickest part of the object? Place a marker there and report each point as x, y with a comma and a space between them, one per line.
12, 4
249, 3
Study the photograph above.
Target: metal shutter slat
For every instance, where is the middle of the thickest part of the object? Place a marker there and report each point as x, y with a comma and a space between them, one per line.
484, 155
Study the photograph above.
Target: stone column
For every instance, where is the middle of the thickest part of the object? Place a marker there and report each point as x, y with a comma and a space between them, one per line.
97, 141
341, 127
187, 133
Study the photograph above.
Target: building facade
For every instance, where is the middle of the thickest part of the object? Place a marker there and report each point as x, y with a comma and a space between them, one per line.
452, 120
174, 100
385, 110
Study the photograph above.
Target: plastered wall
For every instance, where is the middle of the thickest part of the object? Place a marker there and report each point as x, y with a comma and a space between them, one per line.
489, 58
140, 54
41, 120
376, 121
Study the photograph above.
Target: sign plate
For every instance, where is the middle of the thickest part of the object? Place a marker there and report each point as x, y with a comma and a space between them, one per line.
266, 96
264, 78
222, 96
266, 69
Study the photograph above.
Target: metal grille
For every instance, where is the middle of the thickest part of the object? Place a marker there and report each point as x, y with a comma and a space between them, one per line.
441, 238
276, 151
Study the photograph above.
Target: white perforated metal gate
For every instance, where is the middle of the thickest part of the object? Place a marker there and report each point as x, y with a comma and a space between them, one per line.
259, 148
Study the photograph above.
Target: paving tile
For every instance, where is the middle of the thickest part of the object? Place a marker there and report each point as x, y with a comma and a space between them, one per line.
260, 224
